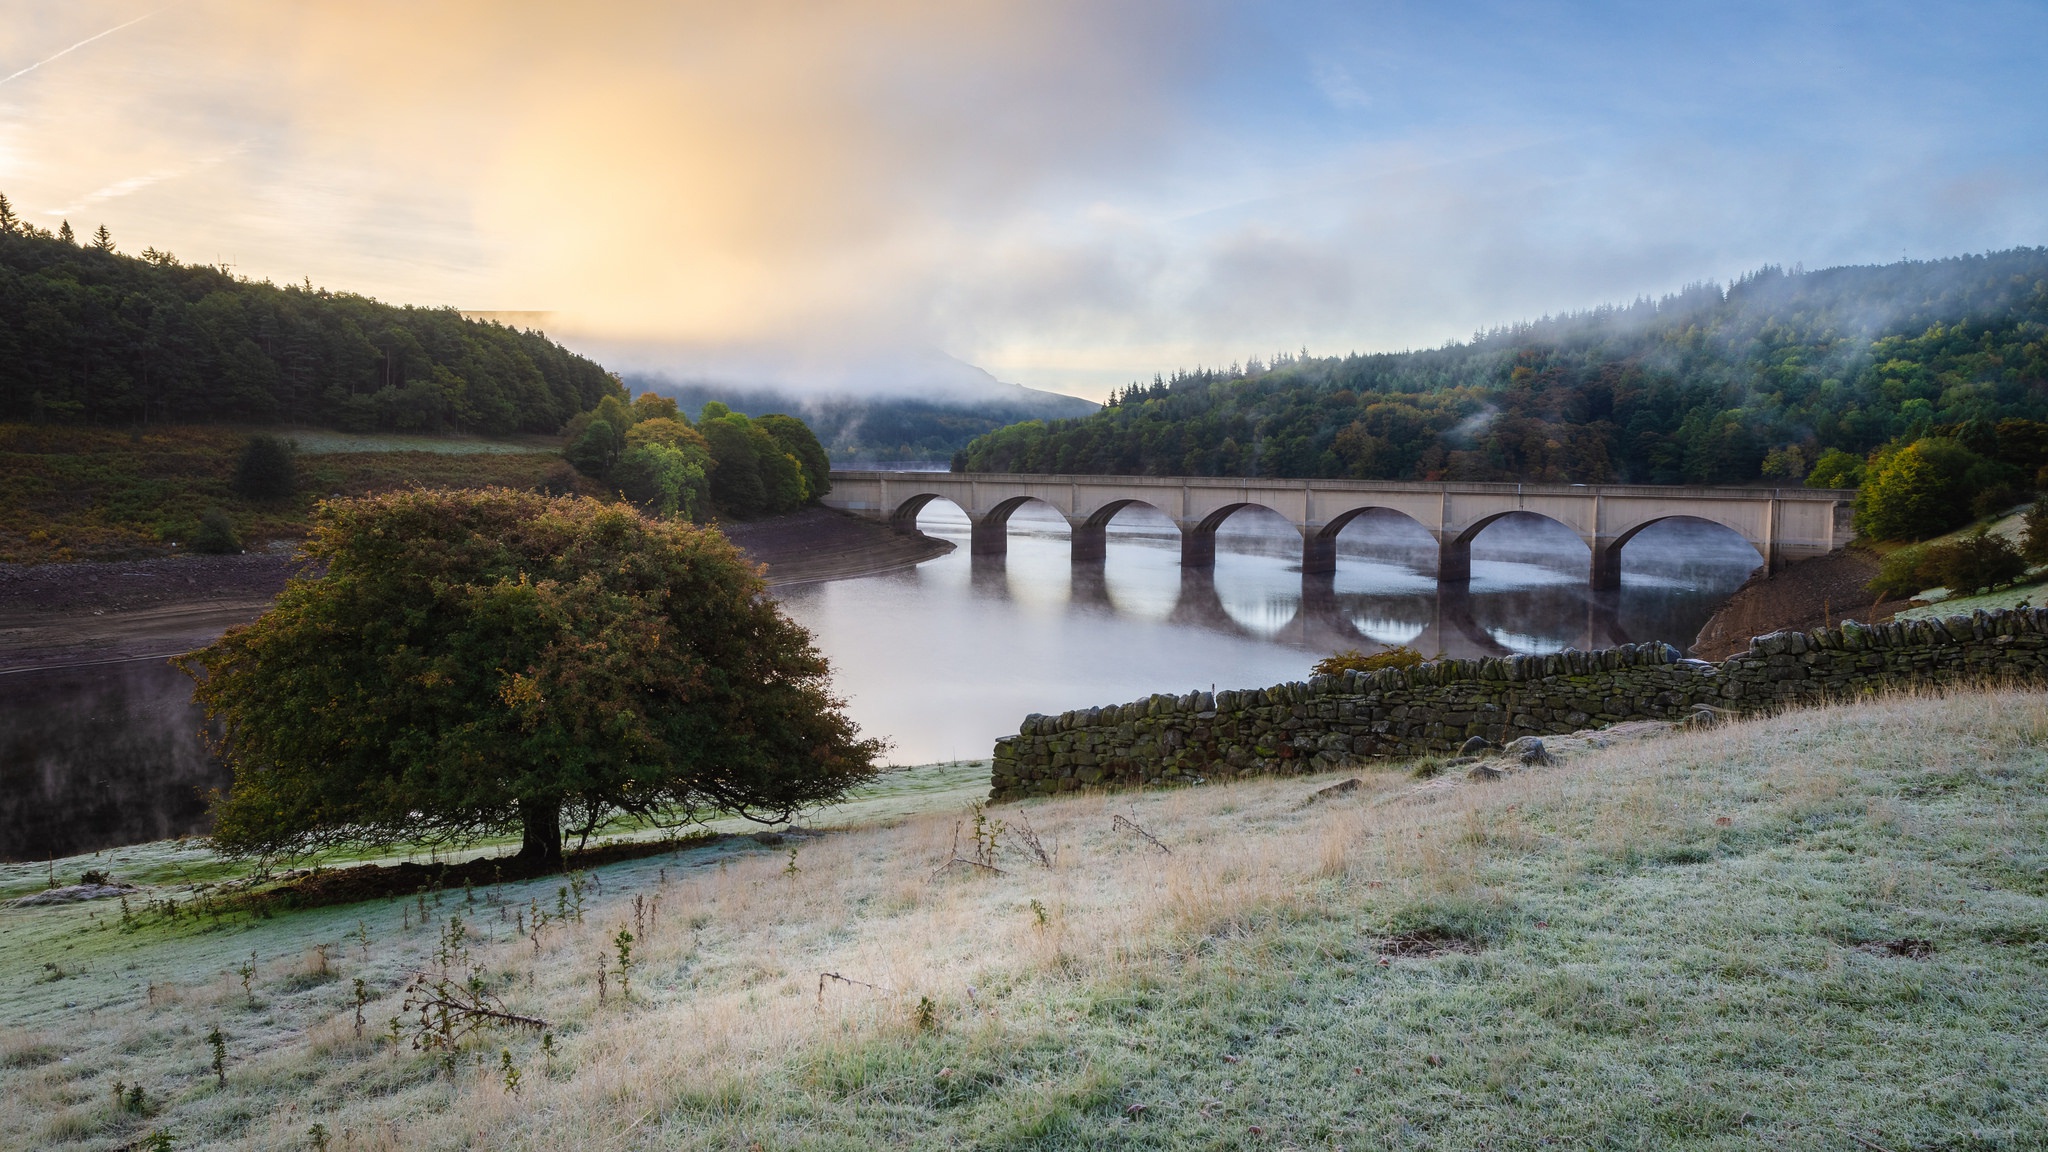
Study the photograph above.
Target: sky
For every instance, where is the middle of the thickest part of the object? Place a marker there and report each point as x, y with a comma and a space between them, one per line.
1071, 195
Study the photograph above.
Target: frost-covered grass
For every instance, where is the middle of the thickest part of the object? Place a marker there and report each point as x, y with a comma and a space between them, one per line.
1805, 931
2033, 593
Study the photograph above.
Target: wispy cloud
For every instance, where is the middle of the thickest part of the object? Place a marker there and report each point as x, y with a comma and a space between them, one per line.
61, 53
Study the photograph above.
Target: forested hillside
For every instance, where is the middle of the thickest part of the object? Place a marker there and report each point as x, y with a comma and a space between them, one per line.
91, 336
1754, 382
883, 428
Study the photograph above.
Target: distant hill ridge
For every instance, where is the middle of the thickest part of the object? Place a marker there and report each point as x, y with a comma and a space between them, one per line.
928, 427
1710, 385
91, 336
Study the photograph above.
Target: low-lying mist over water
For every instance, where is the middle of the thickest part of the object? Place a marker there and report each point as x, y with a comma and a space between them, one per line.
100, 755
944, 658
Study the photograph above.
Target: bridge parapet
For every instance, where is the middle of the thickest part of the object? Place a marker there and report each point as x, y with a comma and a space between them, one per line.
1782, 524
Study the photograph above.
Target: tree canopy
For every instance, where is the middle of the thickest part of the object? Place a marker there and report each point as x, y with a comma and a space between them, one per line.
88, 335
476, 662
743, 467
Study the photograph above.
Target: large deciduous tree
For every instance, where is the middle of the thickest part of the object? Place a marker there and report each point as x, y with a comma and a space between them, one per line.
476, 662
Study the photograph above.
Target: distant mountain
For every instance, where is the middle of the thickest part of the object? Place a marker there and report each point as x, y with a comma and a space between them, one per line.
912, 410
1750, 383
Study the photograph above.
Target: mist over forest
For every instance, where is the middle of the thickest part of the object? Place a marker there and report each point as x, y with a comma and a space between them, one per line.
1752, 382
888, 425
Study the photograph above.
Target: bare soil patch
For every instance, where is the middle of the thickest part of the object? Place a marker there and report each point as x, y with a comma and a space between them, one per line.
57, 615
1810, 594
1422, 945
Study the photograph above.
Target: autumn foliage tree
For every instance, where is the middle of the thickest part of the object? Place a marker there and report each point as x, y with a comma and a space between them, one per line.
472, 663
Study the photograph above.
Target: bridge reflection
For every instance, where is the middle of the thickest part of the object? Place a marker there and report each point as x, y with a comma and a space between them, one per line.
1320, 616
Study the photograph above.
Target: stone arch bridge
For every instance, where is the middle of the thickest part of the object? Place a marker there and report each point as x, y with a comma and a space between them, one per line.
1782, 524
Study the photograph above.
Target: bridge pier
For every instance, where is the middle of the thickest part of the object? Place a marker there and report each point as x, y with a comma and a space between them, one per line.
1606, 572
990, 536
1089, 540
1197, 546
1453, 560
1318, 552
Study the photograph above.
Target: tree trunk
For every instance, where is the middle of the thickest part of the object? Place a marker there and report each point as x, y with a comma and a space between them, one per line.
541, 842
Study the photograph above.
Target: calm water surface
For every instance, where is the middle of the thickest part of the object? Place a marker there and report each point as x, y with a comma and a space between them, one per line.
944, 658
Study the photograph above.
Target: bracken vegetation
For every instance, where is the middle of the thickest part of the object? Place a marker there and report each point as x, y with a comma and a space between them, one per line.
81, 493
1823, 929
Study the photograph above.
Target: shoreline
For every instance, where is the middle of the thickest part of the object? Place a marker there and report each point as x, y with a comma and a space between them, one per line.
84, 613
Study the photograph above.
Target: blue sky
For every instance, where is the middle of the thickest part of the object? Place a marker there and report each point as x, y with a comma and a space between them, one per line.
1070, 194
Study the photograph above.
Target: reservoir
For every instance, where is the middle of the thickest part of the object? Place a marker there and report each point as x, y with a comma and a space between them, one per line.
943, 658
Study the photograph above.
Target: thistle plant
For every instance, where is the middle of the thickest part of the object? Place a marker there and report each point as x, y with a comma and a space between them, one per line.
624, 943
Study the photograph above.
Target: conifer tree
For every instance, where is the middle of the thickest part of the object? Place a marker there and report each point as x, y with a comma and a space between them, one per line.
103, 239
65, 233
9, 222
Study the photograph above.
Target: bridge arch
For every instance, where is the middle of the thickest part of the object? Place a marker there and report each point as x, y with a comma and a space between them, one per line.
1198, 542
1319, 549
903, 518
1091, 531
991, 536
1607, 551
1454, 557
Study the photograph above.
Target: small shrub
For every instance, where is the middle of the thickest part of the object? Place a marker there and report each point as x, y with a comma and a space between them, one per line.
1356, 661
560, 481
267, 469
1994, 501
216, 535
96, 876
2034, 545
1980, 561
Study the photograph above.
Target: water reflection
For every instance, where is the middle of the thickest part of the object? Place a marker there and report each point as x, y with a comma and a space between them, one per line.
99, 756
944, 658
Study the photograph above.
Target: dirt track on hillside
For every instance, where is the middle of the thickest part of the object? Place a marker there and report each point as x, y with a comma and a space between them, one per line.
59, 615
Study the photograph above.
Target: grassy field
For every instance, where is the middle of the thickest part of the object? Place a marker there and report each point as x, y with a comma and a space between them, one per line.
1827, 929
99, 493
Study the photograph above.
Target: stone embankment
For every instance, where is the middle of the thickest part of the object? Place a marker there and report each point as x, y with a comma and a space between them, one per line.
1435, 708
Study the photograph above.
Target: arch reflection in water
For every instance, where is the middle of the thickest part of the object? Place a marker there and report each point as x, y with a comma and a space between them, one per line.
948, 656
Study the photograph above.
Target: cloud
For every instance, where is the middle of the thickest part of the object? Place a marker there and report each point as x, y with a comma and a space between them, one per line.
1071, 192
16, 75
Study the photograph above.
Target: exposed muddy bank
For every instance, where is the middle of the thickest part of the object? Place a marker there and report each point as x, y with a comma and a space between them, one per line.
818, 544
1801, 597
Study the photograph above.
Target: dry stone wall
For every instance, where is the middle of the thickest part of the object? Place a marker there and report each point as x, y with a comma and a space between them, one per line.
1403, 713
